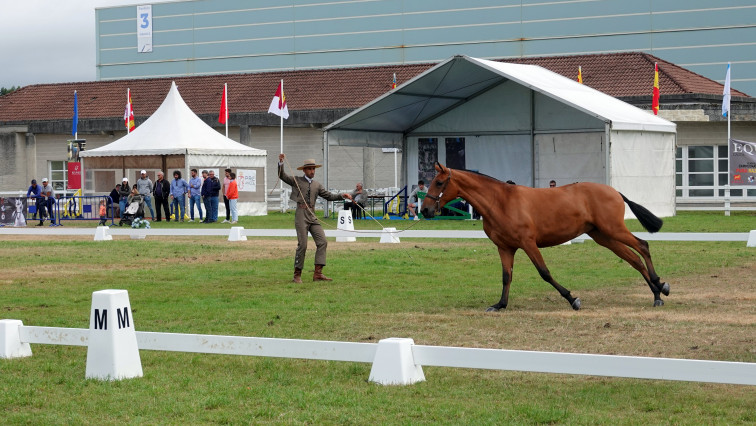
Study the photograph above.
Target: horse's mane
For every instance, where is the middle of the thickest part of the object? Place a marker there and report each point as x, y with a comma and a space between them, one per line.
509, 182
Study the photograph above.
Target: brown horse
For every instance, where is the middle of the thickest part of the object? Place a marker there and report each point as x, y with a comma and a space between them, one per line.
519, 217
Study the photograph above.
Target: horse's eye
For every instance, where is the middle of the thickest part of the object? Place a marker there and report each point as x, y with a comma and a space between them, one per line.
439, 184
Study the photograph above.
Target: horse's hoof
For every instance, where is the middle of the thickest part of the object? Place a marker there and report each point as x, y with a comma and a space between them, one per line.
492, 309
665, 289
658, 303
576, 304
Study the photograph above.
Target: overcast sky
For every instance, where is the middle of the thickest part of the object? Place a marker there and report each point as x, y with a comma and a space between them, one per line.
50, 41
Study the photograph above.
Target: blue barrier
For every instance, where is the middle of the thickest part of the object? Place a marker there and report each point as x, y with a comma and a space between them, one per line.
83, 208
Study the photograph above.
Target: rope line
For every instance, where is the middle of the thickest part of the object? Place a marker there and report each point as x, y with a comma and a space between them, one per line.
312, 212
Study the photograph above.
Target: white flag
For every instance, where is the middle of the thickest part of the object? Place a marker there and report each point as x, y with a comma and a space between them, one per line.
278, 104
726, 93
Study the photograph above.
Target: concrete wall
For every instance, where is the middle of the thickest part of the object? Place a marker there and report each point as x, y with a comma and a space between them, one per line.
705, 133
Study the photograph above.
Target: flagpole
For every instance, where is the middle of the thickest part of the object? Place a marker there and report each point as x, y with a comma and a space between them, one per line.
225, 98
729, 154
128, 102
76, 116
282, 94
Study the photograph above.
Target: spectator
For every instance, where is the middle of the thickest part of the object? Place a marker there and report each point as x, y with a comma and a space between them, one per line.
33, 192
195, 196
179, 189
226, 182
123, 194
47, 193
205, 192
552, 183
233, 198
144, 186
214, 188
103, 212
161, 190
114, 200
359, 198
414, 199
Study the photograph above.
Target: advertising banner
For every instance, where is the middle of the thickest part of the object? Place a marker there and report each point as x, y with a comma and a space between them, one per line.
13, 211
144, 28
246, 180
742, 162
74, 175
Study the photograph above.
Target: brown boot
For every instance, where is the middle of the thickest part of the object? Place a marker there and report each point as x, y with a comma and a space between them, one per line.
297, 276
318, 275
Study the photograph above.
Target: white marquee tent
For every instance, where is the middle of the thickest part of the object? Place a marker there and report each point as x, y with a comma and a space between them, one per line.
519, 122
174, 138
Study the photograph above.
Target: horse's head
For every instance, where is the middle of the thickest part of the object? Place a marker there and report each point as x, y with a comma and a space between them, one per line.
440, 191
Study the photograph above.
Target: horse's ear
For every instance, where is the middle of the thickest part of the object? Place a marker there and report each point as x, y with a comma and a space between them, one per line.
439, 167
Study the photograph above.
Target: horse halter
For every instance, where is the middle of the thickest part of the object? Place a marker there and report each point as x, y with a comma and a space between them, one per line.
437, 199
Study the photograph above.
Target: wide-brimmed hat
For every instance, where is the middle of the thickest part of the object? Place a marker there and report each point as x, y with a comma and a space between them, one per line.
310, 162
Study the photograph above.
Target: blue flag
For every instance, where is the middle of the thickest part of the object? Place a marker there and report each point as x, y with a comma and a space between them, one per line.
726, 94
75, 127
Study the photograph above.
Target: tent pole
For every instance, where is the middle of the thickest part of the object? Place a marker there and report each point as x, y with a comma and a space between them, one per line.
325, 169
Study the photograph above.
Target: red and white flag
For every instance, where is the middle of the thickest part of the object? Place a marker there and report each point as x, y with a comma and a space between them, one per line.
278, 104
128, 115
223, 115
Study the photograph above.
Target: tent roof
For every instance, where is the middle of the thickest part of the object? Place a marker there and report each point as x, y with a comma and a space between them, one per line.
461, 78
173, 129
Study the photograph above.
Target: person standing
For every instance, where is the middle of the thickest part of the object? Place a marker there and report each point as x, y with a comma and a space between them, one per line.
144, 186
179, 188
195, 195
47, 193
33, 193
233, 198
123, 194
214, 190
115, 197
359, 199
226, 182
414, 199
304, 191
161, 190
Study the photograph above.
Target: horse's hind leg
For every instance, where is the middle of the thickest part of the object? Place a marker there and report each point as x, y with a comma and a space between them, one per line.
535, 256
507, 259
629, 256
642, 248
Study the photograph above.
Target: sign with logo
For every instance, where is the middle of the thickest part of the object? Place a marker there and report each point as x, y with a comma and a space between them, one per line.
144, 28
246, 180
74, 175
742, 162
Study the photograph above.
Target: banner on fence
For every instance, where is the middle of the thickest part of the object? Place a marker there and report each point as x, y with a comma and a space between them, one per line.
13, 211
246, 180
742, 162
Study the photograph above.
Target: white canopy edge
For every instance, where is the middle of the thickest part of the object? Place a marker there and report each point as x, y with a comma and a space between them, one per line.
173, 130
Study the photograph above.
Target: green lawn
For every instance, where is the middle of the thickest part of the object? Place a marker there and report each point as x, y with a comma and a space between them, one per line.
432, 291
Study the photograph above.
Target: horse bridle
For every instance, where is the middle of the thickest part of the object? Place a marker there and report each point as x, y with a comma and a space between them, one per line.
437, 199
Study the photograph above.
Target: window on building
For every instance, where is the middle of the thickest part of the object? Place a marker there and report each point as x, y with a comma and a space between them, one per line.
701, 171
58, 176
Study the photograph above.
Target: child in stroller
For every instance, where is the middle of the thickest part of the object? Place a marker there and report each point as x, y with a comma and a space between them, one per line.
134, 209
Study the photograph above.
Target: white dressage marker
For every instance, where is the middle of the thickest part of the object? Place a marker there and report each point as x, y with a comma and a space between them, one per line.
112, 352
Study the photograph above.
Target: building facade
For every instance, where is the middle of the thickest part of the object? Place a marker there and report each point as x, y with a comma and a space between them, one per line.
237, 36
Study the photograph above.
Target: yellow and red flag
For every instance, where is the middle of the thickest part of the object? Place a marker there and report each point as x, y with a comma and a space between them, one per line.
580, 74
128, 115
655, 100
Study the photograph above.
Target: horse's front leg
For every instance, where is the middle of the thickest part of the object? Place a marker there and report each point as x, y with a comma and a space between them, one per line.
535, 256
507, 259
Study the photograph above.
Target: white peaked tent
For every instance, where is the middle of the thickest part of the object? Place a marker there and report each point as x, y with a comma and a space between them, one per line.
174, 138
519, 122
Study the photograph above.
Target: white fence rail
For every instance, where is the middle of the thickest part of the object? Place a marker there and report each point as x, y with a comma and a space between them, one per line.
395, 368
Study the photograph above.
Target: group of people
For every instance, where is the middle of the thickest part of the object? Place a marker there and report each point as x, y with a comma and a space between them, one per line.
170, 197
44, 200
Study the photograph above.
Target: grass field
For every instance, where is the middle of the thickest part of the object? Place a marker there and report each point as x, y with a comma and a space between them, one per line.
434, 291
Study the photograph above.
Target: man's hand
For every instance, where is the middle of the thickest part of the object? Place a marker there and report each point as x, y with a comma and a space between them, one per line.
347, 196
281, 157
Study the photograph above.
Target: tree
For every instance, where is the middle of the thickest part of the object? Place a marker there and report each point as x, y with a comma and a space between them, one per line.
5, 91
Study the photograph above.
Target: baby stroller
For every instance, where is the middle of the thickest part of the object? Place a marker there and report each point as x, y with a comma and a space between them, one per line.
133, 211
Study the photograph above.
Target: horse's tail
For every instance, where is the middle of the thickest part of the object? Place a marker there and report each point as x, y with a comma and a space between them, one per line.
645, 217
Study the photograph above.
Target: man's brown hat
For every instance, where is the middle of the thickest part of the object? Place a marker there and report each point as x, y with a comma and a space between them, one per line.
310, 162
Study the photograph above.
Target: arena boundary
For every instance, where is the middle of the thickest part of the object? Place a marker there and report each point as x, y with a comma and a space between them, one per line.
748, 237
114, 345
